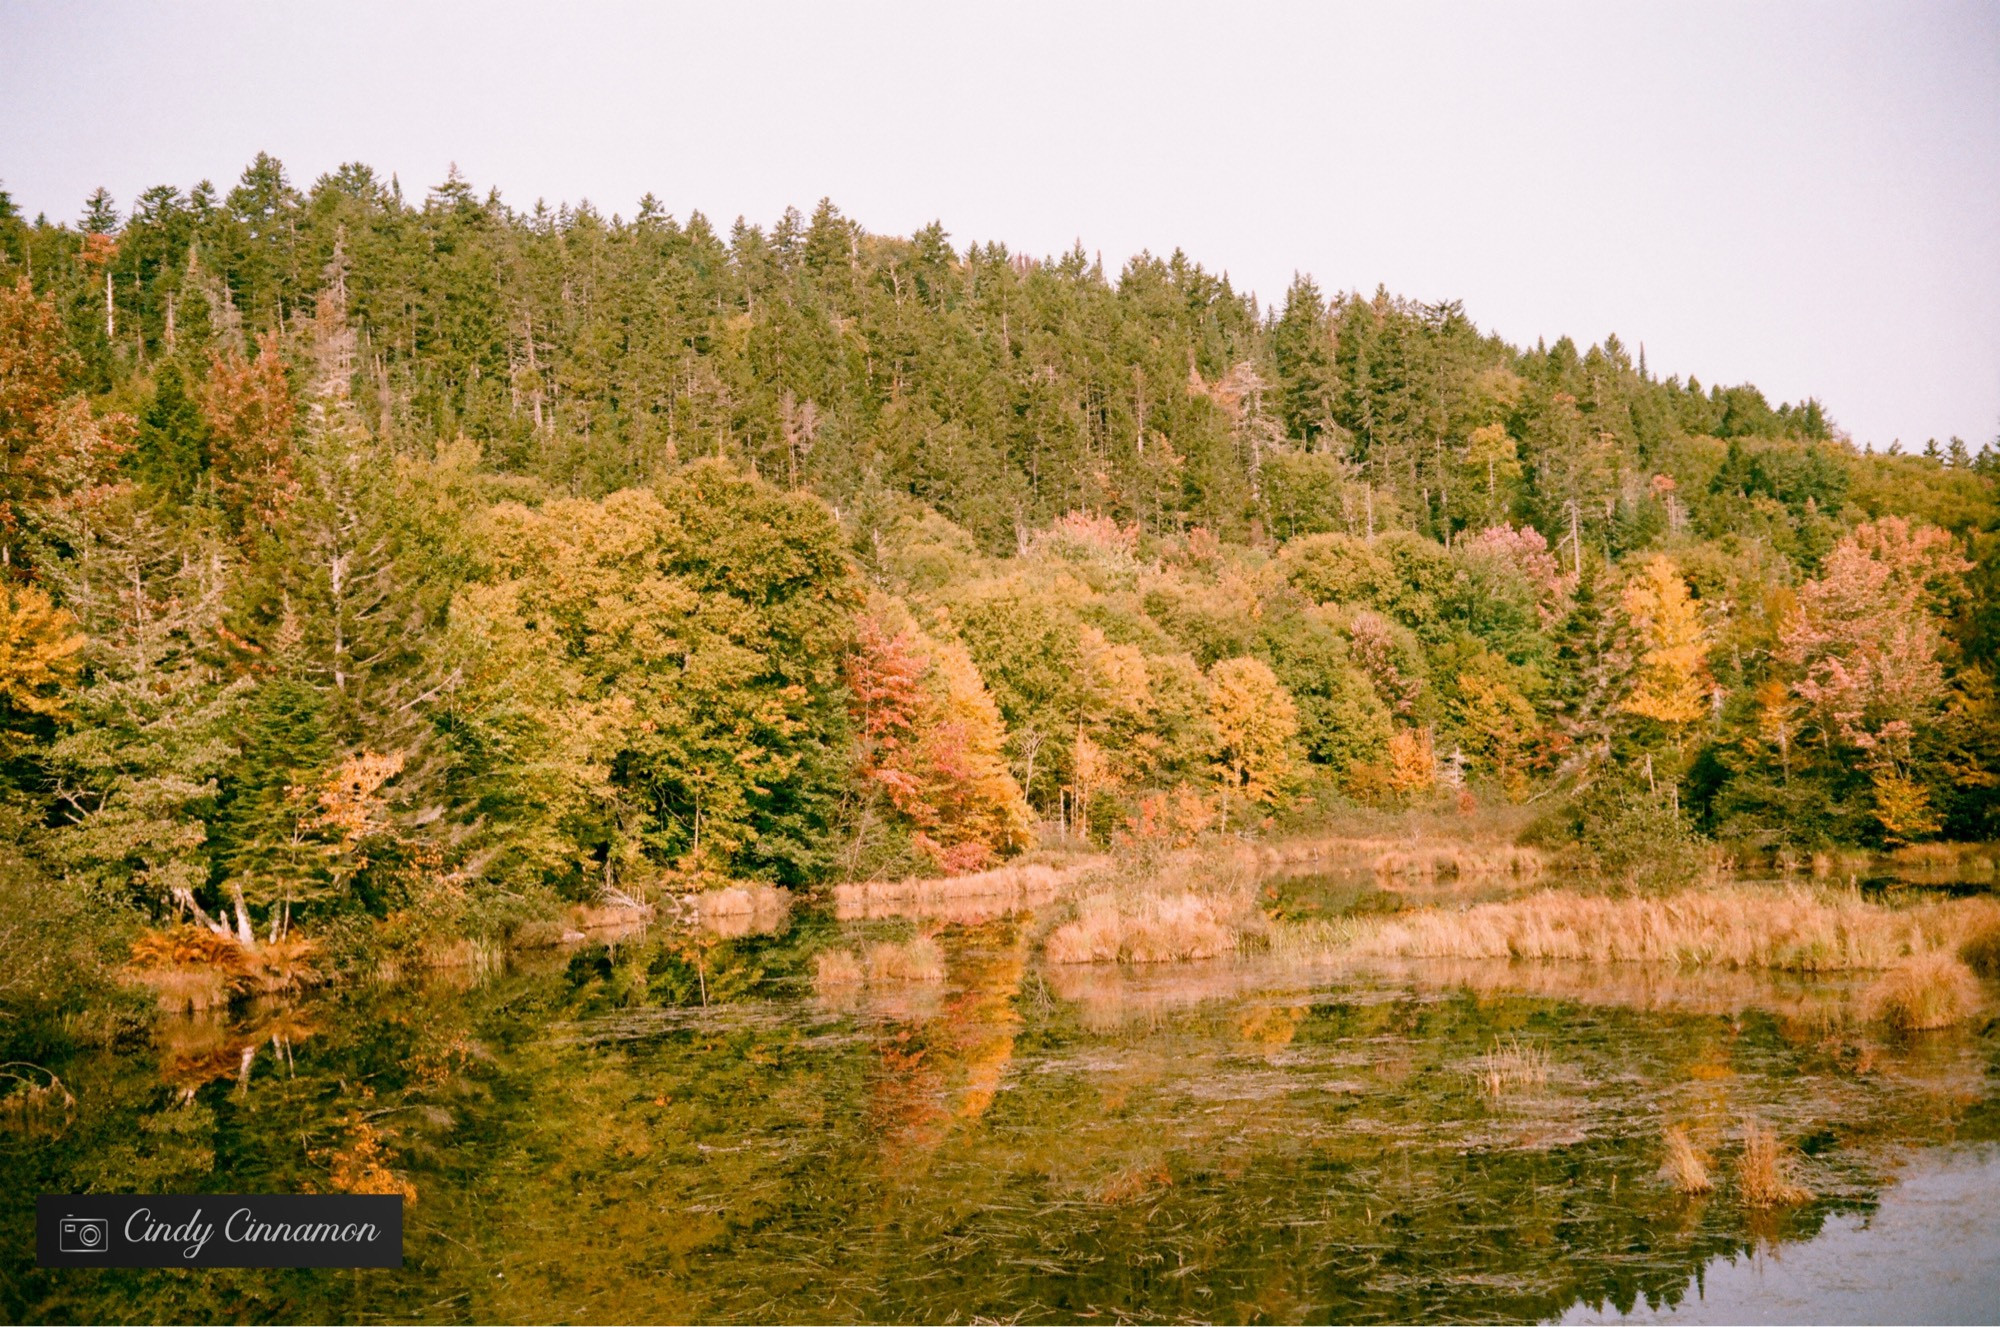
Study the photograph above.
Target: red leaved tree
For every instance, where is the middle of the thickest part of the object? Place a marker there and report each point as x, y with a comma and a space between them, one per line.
252, 418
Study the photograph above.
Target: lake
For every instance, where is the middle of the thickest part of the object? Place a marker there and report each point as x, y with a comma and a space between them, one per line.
708, 1126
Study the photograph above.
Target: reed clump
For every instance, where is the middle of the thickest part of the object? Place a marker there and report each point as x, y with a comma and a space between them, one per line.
1763, 1176
837, 969
1461, 861
1796, 928
1982, 952
1512, 1068
1143, 928
954, 898
1924, 992
1685, 1167
914, 960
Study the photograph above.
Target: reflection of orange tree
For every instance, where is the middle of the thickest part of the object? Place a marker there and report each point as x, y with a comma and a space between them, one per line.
946, 1071
360, 1163
197, 1051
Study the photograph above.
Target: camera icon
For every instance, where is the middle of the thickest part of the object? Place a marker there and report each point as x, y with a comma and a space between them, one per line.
84, 1234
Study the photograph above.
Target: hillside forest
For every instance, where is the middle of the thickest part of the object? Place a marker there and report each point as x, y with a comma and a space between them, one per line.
386, 569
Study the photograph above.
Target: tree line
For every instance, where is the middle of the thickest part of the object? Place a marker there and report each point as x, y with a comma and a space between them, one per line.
403, 567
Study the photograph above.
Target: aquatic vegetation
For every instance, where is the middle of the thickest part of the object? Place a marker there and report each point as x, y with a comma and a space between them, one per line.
1982, 951
1228, 1141
1763, 1177
1459, 860
837, 969
963, 899
1791, 928
1924, 992
1512, 1067
1685, 1168
1142, 928
918, 960
738, 910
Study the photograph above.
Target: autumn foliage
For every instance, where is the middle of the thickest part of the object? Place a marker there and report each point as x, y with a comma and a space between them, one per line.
930, 743
251, 417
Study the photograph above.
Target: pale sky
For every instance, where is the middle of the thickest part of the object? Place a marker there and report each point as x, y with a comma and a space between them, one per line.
1802, 196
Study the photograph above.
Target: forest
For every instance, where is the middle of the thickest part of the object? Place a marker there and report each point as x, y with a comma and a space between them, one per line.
377, 572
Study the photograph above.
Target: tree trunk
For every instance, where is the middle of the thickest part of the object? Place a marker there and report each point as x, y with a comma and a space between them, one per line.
244, 935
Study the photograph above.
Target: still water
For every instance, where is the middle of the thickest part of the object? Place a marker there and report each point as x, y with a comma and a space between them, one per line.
687, 1127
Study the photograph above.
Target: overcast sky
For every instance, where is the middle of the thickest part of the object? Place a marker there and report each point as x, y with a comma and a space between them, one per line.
1806, 197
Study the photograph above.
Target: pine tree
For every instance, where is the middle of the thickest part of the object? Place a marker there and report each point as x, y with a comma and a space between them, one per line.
171, 453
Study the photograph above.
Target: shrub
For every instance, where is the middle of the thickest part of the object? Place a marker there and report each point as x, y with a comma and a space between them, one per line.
1632, 829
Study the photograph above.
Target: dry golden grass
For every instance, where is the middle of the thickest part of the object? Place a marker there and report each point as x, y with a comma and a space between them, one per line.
740, 910
837, 969
185, 990
1763, 1171
1945, 859
1982, 951
1511, 1069
1461, 861
1790, 928
1143, 928
1923, 992
918, 960
963, 898
1650, 986
1425, 850
1685, 1167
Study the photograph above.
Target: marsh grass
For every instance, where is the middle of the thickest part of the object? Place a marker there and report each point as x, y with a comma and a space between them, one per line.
1461, 861
1685, 1168
962, 898
1512, 1069
1763, 1167
1982, 952
837, 969
914, 960
1795, 928
1924, 992
739, 910
1143, 928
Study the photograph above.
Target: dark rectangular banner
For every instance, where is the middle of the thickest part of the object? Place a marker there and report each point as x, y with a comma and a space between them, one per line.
220, 1230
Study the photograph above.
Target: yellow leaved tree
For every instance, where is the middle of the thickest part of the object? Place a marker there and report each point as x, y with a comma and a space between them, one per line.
39, 645
1673, 683
1254, 721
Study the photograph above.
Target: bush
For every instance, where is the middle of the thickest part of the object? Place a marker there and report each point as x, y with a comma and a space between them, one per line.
56, 955
1631, 831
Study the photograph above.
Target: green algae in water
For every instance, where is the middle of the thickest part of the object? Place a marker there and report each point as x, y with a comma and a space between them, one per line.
682, 1130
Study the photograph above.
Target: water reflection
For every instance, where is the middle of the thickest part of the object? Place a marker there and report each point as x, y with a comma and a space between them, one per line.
691, 1124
